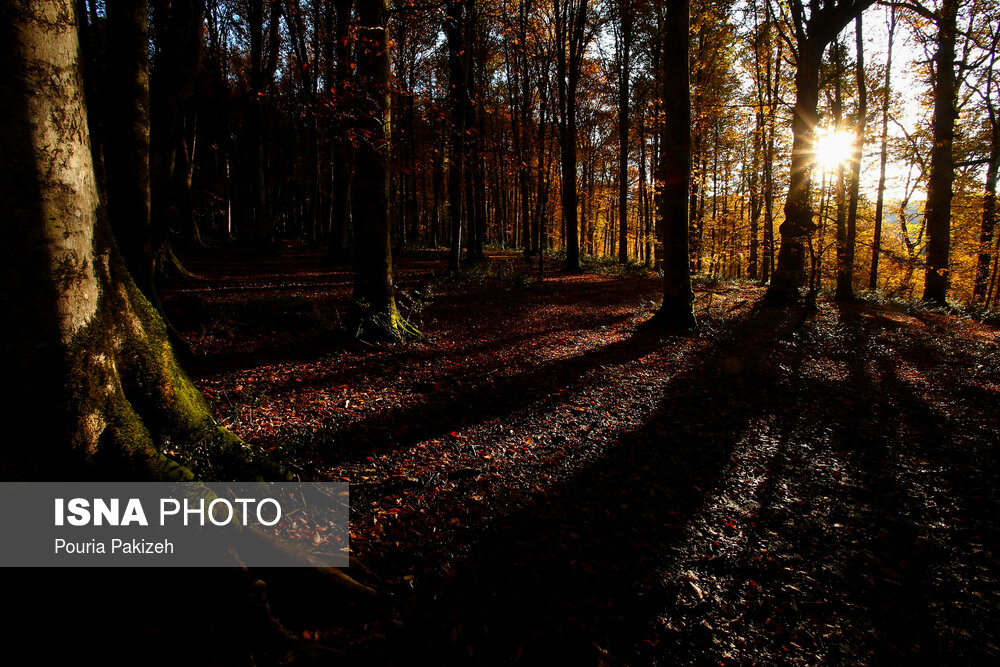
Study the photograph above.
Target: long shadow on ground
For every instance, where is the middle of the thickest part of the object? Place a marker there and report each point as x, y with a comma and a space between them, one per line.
846, 554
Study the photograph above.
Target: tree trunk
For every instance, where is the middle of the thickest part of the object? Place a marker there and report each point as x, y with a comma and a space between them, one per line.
798, 224
883, 158
846, 249
339, 251
812, 34
457, 94
570, 33
980, 291
106, 395
675, 171
989, 220
840, 189
624, 74
127, 139
373, 304
942, 172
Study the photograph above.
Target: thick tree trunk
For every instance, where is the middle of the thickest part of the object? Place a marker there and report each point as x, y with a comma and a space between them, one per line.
105, 395
675, 172
942, 173
373, 305
812, 33
798, 224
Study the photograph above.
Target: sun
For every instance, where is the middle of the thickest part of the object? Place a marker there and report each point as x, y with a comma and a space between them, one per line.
833, 148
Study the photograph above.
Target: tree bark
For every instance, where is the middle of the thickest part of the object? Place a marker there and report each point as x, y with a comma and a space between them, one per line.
675, 171
942, 172
373, 310
846, 250
883, 158
127, 139
812, 34
570, 32
624, 56
339, 251
106, 393
457, 94
980, 289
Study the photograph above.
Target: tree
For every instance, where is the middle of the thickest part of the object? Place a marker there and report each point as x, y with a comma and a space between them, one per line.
847, 237
106, 390
571, 35
457, 103
883, 156
623, 61
373, 303
989, 219
942, 173
339, 251
127, 140
813, 30
675, 170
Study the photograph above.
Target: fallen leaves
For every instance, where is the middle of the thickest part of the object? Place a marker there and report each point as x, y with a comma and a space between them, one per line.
543, 479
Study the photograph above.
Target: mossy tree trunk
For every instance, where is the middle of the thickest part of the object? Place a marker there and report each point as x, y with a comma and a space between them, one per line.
373, 304
100, 392
675, 171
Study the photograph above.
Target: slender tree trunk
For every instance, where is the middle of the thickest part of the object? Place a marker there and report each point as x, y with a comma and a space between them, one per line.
989, 220
571, 23
846, 250
883, 158
457, 93
624, 74
127, 142
339, 250
840, 186
755, 194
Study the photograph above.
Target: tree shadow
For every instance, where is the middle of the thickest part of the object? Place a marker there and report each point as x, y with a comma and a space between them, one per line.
555, 581
848, 556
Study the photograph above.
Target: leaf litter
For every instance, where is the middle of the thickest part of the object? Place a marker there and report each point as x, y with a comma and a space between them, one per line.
545, 480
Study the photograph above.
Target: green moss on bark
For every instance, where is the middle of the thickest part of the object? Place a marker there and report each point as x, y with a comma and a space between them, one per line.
136, 413
385, 325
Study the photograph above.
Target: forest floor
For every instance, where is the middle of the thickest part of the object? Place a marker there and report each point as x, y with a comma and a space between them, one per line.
544, 480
